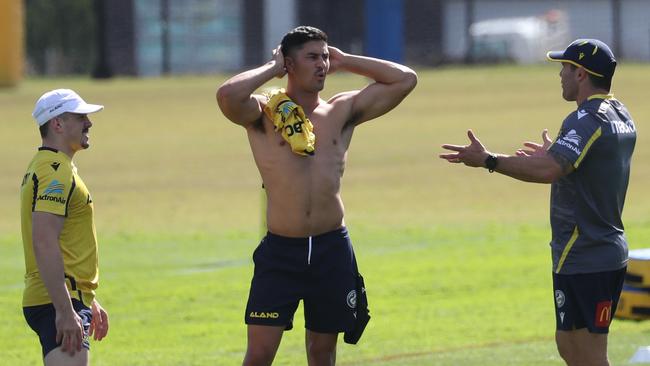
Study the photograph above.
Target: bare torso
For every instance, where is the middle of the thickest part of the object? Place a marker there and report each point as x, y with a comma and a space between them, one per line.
304, 192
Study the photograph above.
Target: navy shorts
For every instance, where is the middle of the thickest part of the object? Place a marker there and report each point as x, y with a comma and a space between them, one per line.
587, 300
41, 318
320, 270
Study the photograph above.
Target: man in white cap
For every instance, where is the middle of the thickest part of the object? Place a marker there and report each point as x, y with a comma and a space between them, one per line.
59, 237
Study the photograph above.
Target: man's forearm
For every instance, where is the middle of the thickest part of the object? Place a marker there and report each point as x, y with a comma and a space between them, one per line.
382, 71
241, 86
535, 169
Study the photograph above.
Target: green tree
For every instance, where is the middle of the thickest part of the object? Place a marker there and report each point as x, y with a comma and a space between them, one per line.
60, 36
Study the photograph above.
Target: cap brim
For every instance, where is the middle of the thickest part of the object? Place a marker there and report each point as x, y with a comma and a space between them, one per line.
555, 56
558, 56
87, 108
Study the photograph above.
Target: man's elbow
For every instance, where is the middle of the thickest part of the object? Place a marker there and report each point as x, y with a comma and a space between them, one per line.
225, 100
223, 95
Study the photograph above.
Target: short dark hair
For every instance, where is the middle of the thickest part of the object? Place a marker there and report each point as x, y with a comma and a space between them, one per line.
601, 83
299, 36
44, 128
597, 81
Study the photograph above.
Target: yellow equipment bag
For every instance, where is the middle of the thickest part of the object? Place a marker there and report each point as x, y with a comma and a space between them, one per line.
638, 268
634, 303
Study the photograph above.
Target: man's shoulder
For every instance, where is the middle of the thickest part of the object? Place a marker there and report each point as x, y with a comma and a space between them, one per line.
51, 166
261, 98
343, 97
341, 103
601, 106
581, 115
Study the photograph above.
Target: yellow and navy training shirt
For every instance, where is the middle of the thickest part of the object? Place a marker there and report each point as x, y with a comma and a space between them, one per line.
51, 184
586, 205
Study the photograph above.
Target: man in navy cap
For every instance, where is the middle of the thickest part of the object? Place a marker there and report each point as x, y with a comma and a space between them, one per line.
588, 166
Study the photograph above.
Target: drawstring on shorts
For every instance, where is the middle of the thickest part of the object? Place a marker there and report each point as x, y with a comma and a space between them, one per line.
309, 254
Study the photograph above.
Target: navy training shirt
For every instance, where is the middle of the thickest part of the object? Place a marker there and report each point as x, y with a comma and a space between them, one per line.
586, 205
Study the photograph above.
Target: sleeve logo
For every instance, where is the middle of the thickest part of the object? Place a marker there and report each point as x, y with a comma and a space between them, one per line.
581, 113
573, 137
54, 188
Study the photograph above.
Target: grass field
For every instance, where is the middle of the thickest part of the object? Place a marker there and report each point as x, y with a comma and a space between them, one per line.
456, 260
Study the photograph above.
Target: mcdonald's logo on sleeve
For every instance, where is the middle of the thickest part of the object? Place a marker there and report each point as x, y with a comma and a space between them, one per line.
603, 314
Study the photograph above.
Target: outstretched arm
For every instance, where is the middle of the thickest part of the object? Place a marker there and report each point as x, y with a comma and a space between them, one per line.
537, 165
235, 97
393, 82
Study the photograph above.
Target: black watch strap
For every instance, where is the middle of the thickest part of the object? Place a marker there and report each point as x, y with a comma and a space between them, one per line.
491, 162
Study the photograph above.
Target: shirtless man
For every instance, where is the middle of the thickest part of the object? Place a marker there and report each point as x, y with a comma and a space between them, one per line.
306, 254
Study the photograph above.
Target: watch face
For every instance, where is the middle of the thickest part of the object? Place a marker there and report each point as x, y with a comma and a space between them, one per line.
491, 162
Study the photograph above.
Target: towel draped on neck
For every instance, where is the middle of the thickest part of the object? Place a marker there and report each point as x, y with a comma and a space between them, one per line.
289, 118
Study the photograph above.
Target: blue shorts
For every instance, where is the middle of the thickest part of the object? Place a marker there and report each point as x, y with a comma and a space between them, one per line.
587, 300
41, 318
320, 270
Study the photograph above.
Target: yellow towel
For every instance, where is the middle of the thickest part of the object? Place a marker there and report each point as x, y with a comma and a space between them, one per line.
289, 118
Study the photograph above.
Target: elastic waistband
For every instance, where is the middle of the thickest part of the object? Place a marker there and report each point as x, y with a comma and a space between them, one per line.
339, 233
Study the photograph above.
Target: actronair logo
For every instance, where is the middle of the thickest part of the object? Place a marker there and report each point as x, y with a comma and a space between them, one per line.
573, 137
569, 146
55, 187
45, 197
52, 192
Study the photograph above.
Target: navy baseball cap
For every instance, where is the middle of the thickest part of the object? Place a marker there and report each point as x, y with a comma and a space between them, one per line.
591, 54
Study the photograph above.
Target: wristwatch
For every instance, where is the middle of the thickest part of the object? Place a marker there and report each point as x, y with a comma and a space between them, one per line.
491, 162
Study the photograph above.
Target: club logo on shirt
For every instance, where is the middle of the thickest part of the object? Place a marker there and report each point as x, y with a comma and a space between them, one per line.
559, 298
573, 137
351, 299
55, 166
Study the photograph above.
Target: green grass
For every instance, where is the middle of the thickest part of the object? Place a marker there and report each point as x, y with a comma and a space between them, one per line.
456, 260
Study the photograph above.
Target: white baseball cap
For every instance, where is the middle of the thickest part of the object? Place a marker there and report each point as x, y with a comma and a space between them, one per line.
59, 101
